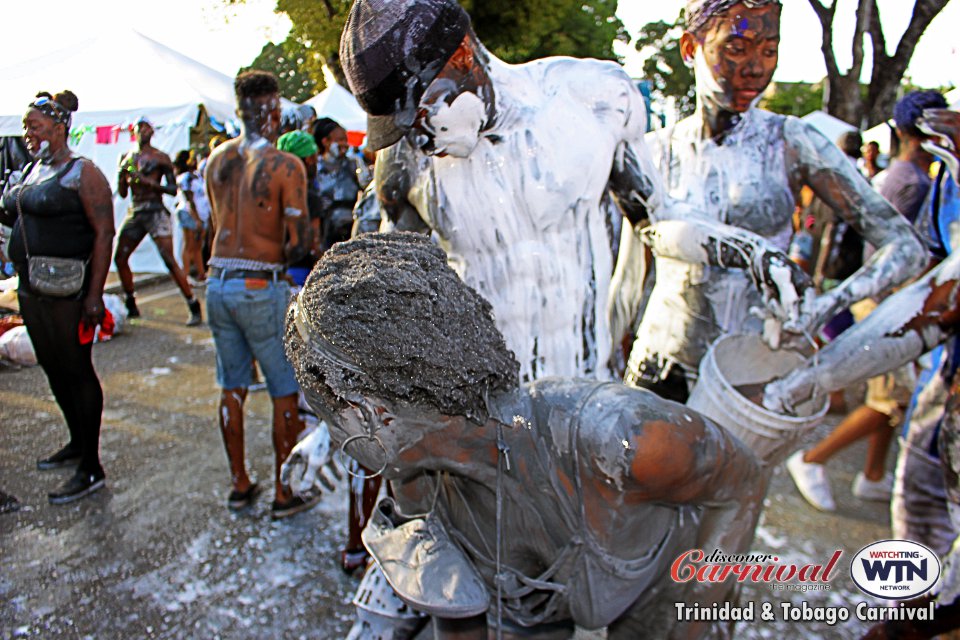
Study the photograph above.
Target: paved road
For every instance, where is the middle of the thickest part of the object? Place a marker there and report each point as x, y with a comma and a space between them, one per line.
158, 555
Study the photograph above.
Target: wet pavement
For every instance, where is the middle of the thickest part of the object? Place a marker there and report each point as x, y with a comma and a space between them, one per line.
157, 554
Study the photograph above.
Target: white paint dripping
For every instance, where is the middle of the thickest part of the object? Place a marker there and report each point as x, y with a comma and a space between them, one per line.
520, 217
456, 127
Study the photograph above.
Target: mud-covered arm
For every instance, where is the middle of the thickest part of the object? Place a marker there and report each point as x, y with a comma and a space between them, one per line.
123, 177
168, 181
815, 161
903, 327
393, 177
635, 183
702, 241
627, 288
680, 457
295, 213
684, 458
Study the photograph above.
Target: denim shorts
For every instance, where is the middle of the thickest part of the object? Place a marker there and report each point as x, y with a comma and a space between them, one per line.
246, 317
187, 223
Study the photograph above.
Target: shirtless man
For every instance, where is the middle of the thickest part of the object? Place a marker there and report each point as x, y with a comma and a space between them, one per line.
258, 200
405, 363
147, 174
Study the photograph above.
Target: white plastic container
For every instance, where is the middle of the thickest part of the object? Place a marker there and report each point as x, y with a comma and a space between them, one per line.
733, 361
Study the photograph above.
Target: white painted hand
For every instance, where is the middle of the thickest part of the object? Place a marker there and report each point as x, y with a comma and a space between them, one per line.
788, 297
306, 469
783, 395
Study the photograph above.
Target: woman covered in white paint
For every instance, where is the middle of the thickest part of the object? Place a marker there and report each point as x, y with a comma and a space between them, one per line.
744, 168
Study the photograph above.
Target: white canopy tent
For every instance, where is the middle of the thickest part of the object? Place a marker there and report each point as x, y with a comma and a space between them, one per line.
119, 77
827, 124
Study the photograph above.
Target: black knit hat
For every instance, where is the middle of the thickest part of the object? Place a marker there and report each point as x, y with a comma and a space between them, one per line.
391, 50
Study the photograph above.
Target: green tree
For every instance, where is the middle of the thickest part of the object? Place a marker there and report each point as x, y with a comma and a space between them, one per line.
793, 98
664, 66
514, 30
288, 62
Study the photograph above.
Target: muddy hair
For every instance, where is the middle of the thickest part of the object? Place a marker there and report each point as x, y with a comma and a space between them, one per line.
403, 327
254, 84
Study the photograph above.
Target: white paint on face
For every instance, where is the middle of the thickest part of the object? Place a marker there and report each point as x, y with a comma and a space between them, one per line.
43, 151
708, 87
456, 127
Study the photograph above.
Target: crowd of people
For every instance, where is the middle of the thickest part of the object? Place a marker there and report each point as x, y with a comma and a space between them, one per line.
524, 319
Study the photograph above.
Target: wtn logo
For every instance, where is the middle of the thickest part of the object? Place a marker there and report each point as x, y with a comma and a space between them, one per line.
903, 570
895, 569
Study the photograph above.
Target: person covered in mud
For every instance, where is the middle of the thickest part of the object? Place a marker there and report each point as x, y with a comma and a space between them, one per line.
258, 200
147, 174
409, 369
480, 153
906, 325
744, 168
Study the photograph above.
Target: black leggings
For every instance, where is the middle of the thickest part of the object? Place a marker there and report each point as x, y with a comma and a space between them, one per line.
53, 325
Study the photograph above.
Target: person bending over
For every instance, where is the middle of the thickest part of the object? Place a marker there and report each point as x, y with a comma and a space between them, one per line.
405, 363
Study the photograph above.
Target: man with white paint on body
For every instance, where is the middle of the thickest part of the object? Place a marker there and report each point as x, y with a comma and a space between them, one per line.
480, 153
258, 200
745, 167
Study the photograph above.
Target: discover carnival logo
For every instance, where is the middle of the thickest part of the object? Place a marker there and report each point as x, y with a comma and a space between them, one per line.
895, 569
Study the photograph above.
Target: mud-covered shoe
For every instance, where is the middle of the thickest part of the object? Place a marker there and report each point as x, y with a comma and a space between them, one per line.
131, 304
196, 318
66, 457
811, 481
292, 507
242, 499
79, 485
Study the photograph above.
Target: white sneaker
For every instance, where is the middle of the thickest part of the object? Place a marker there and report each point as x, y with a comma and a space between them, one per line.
811, 481
879, 490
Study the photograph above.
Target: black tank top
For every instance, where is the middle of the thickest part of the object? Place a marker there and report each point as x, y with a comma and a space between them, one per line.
54, 221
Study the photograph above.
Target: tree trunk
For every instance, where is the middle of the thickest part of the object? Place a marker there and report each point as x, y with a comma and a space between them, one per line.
888, 71
842, 93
